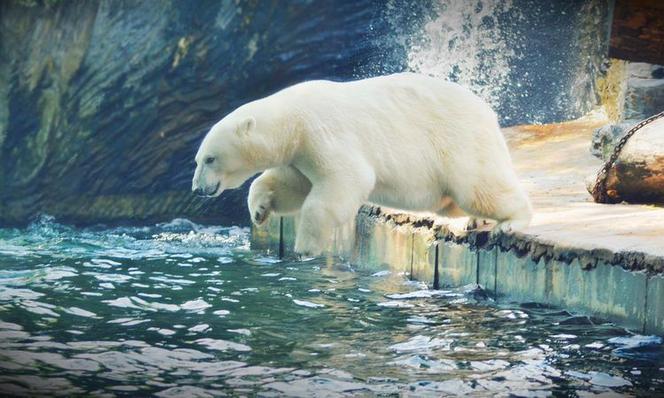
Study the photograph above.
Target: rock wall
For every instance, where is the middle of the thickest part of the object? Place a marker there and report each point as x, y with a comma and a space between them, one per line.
103, 103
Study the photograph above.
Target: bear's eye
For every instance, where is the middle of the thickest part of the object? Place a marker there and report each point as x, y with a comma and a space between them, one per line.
209, 160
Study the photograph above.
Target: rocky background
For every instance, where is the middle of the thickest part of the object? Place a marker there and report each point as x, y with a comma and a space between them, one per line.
103, 103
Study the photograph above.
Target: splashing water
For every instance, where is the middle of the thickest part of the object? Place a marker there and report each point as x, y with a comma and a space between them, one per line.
533, 61
464, 42
181, 309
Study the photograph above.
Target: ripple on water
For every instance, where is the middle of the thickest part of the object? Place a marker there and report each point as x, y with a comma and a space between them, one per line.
11, 294
423, 344
140, 304
101, 263
308, 304
204, 327
395, 304
244, 332
80, 312
115, 312
600, 379
114, 278
417, 294
172, 280
129, 321
26, 385
425, 364
222, 345
189, 391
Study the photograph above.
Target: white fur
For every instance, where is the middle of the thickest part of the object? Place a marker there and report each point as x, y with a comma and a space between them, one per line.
281, 190
406, 141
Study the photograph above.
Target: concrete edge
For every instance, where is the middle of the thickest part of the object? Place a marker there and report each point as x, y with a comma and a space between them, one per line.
526, 245
625, 288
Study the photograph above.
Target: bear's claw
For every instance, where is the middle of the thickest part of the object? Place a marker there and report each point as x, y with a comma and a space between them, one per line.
260, 215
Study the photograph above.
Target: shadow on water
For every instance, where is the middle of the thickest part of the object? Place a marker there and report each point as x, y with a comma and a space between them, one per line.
184, 309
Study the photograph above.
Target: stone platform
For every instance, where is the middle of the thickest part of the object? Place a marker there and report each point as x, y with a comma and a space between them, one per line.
606, 261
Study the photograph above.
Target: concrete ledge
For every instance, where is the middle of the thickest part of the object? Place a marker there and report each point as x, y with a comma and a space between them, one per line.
623, 287
605, 261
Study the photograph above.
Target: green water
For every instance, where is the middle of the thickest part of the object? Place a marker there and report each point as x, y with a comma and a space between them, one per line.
180, 309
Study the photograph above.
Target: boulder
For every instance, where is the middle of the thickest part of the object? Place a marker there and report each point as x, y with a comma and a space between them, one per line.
638, 174
643, 98
644, 70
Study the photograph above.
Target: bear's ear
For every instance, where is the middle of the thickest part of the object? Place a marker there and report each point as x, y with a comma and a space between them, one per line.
246, 126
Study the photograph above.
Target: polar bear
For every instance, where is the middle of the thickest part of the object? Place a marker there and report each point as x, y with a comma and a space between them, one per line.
405, 140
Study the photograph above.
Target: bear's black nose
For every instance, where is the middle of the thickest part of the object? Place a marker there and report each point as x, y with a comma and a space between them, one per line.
199, 191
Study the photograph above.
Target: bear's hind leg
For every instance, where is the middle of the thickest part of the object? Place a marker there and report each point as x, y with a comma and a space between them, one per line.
450, 209
514, 211
502, 200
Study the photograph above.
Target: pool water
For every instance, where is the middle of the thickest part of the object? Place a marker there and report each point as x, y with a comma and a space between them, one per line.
180, 309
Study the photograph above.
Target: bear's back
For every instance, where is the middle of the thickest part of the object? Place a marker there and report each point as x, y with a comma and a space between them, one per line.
407, 88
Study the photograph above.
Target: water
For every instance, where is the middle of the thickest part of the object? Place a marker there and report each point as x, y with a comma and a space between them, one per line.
180, 309
466, 43
533, 61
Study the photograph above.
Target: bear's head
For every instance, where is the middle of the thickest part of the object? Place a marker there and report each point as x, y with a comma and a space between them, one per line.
226, 157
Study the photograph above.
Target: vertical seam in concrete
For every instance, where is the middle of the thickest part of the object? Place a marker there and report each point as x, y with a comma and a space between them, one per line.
281, 238
548, 279
477, 267
436, 275
412, 253
495, 274
645, 307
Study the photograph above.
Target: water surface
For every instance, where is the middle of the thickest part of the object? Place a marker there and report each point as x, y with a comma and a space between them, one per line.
180, 309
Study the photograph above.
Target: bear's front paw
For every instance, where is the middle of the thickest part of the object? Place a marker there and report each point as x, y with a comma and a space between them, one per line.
260, 215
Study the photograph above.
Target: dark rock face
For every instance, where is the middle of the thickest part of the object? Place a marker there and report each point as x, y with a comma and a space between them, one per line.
103, 104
